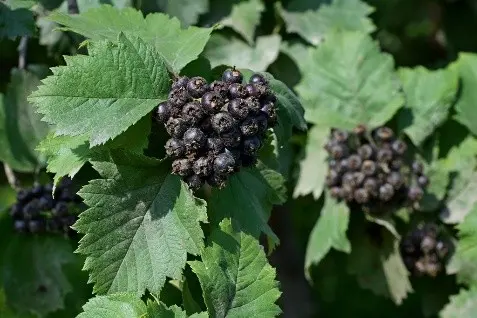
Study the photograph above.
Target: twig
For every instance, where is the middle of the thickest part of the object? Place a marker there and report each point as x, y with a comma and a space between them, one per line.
22, 52
11, 178
73, 7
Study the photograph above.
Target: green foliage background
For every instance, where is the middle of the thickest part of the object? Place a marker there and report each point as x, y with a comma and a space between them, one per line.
76, 100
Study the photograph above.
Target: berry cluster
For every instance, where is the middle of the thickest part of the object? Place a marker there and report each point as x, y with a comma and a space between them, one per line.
216, 128
368, 170
37, 211
424, 251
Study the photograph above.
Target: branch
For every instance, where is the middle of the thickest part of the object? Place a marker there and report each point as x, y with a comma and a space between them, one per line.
73, 7
22, 52
11, 178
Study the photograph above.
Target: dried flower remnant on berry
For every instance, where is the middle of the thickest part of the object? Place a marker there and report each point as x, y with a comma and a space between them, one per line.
216, 128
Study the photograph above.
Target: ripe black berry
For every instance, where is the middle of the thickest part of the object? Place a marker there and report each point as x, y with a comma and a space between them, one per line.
348, 179
162, 112
358, 178
238, 108
232, 138
399, 147
193, 112
252, 90
175, 148
384, 155
178, 97
46, 202
197, 86
396, 164
368, 167
332, 179
224, 164
270, 111
222, 122
217, 180
340, 135
194, 139
215, 145
180, 82
395, 179
354, 162
384, 133
361, 196
232, 76
258, 79
250, 126
371, 185
336, 192
23, 195
203, 166
417, 167
253, 105
338, 151
19, 226
194, 182
176, 127
212, 102
60, 209
182, 167
237, 90
16, 211
415, 193
365, 151
251, 146
35, 226
219, 87
386, 192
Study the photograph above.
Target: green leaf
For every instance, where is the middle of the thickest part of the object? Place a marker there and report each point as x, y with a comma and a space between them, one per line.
15, 23
141, 224
461, 305
429, 96
118, 85
247, 199
465, 111
222, 50
298, 52
33, 273
328, 232
464, 261
85, 5
460, 163
188, 11
245, 17
378, 266
20, 127
155, 310
314, 25
177, 46
313, 168
235, 276
120, 305
349, 82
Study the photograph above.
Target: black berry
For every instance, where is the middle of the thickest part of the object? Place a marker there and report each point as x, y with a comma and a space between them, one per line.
212, 102
237, 90
197, 86
194, 139
238, 108
175, 148
222, 122
163, 112
258, 79
224, 164
232, 76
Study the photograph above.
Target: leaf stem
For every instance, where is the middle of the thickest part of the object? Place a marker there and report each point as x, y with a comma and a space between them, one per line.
73, 7
22, 52
11, 177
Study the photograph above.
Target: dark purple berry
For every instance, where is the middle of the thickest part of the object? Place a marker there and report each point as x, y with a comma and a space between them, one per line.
368, 167
163, 112
175, 148
340, 136
194, 139
332, 179
222, 122
270, 111
37, 190
395, 179
20, 226
224, 164
194, 182
358, 178
365, 152
354, 162
386, 192
252, 90
399, 147
423, 181
336, 192
253, 104
232, 76
178, 98
347, 192
60, 209
384, 155
180, 82
348, 179
262, 124
415, 193
48, 188
46, 202
237, 90
251, 146
203, 166
23, 195
176, 127
238, 108
396, 164
417, 167
384, 133
220, 88
371, 185
232, 138
250, 126
361, 196
212, 102
31, 209
258, 79
217, 180
182, 167
338, 151
215, 145
197, 86
193, 112
36, 226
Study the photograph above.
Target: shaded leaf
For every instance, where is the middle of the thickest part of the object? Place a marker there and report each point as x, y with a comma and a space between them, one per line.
314, 25
466, 115
118, 84
328, 232
235, 276
429, 96
221, 50
298, 52
120, 305
313, 167
350, 82
17, 22
461, 305
187, 11
155, 310
141, 223
20, 127
177, 46
244, 18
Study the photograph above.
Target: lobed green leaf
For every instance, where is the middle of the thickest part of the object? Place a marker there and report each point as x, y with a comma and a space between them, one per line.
244, 18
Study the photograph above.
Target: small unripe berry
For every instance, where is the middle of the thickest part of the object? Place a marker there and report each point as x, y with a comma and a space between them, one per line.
163, 112
237, 90
194, 139
251, 145
238, 108
197, 86
175, 148
258, 79
386, 192
212, 102
232, 76
176, 127
203, 166
222, 122
224, 164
